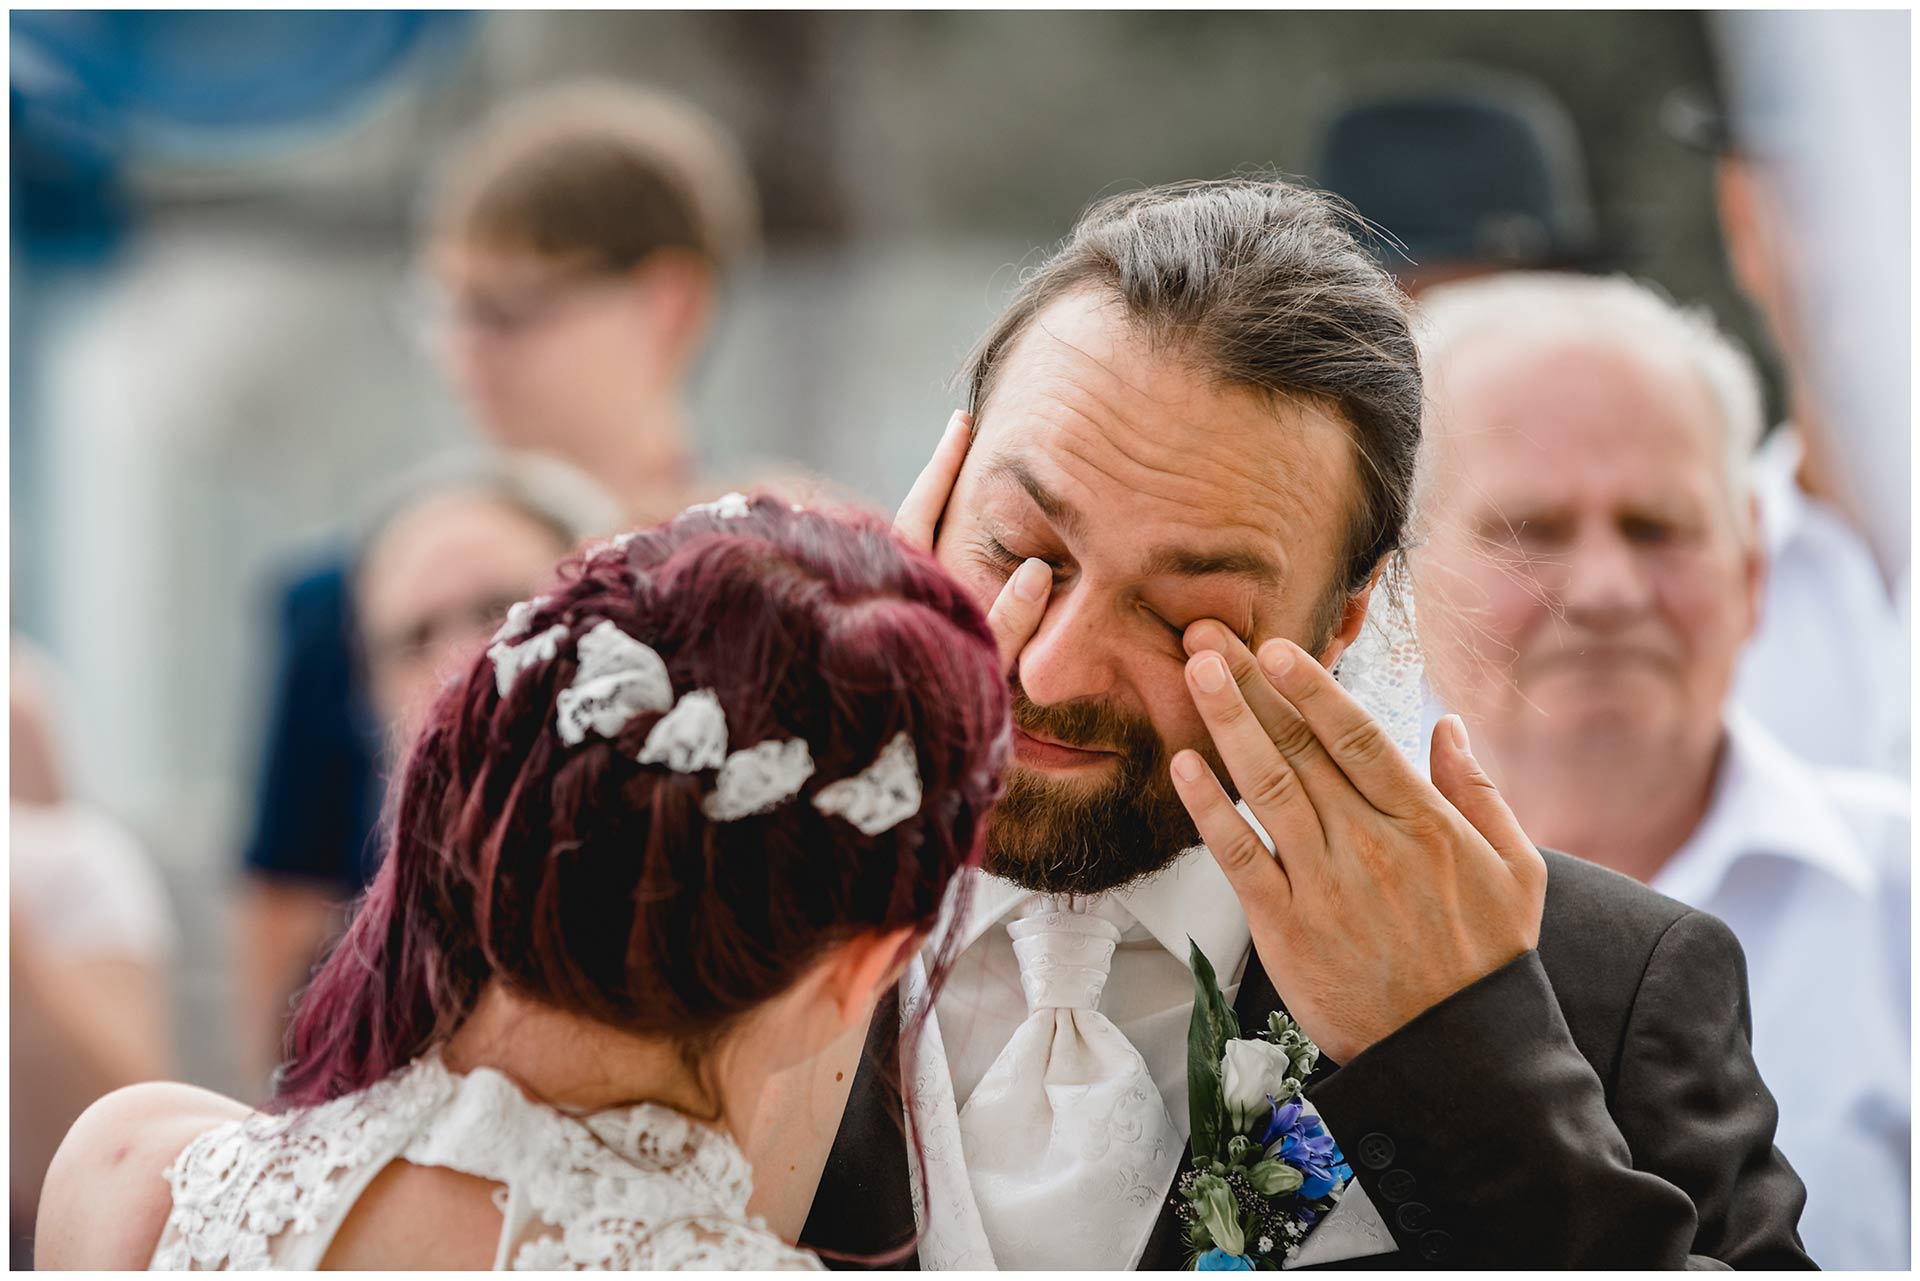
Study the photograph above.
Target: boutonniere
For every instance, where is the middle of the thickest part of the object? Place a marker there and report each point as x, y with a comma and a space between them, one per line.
1263, 1170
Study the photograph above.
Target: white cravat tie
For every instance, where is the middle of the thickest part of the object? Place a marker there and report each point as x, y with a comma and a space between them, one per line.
1066, 1138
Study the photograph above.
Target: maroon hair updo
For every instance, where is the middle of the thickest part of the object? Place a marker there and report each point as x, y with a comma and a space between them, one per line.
580, 878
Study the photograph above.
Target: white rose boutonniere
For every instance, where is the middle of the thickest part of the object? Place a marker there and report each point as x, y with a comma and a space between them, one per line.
1251, 1072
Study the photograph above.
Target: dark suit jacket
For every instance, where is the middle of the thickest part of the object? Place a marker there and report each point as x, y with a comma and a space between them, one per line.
1591, 1104
317, 804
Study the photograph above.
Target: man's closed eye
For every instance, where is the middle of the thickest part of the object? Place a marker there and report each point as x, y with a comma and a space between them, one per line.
1005, 559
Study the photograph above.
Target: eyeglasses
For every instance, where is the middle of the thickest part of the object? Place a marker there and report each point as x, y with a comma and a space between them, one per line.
428, 309
427, 636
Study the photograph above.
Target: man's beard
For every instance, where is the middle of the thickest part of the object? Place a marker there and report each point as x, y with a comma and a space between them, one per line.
1063, 838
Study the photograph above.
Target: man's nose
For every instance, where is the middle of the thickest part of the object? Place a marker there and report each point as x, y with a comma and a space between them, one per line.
1604, 579
1071, 654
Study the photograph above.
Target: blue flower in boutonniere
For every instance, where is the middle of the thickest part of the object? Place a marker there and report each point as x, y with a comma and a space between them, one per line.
1221, 1261
1296, 1139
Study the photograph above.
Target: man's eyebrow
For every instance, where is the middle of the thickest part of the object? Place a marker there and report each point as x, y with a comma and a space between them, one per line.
1239, 562
1051, 505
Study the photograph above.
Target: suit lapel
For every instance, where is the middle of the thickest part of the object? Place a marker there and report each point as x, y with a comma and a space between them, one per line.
864, 1207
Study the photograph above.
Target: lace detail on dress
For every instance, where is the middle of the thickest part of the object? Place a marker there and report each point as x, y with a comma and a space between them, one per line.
641, 1187
242, 1184
709, 1245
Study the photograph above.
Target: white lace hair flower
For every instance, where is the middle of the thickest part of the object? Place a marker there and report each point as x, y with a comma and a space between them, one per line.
691, 737
519, 620
755, 780
882, 794
726, 507
618, 678
509, 659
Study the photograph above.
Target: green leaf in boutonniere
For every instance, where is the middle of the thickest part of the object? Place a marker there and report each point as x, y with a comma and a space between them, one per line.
1212, 1026
1274, 1178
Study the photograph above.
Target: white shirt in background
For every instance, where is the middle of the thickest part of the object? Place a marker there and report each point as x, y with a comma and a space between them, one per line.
1829, 667
85, 885
1809, 868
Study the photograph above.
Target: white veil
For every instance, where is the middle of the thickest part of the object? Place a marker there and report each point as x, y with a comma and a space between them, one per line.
1383, 670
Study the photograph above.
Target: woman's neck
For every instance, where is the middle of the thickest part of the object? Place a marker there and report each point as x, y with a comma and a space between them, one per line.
1631, 811
578, 1065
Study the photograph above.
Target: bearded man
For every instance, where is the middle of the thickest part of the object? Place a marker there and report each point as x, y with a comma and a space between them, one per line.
1188, 460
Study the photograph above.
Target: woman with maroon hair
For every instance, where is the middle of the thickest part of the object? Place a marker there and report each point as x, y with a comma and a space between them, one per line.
672, 835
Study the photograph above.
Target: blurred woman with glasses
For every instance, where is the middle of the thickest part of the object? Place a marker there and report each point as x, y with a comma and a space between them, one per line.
574, 253
435, 572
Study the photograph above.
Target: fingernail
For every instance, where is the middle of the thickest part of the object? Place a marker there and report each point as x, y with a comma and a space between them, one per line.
1460, 735
1275, 659
1031, 580
953, 420
1210, 674
1206, 634
1186, 765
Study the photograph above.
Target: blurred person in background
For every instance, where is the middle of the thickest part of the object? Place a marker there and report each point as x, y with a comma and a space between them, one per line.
91, 937
438, 568
1594, 566
1464, 171
441, 568
579, 245
1829, 666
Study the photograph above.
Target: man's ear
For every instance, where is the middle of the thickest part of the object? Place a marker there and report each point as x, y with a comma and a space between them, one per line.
1751, 228
1754, 563
864, 966
1739, 232
678, 287
1353, 616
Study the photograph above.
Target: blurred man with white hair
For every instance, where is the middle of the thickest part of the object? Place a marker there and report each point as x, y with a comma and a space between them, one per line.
1593, 568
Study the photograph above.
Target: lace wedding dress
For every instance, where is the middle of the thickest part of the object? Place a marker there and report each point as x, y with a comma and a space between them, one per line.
633, 1188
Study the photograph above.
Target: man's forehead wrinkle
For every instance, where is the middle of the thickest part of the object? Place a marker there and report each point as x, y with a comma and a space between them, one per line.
1177, 396
1204, 503
1133, 419
1215, 507
1157, 459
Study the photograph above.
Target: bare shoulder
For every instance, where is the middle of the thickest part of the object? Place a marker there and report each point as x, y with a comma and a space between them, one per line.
105, 1200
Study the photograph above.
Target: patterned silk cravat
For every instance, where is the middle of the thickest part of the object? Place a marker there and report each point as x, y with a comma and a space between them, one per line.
1067, 1141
